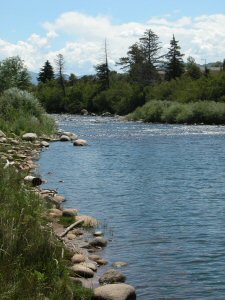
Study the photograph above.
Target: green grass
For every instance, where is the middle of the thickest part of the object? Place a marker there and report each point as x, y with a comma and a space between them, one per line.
31, 263
66, 221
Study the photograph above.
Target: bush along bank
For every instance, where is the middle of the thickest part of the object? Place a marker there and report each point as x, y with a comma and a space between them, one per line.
47, 250
200, 112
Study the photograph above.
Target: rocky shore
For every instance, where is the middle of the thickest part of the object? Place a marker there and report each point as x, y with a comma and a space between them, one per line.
77, 232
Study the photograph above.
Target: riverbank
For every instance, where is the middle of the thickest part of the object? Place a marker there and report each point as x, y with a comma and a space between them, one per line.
31, 262
79, 243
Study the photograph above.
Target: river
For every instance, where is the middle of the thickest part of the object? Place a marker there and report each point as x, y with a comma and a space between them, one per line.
159, 191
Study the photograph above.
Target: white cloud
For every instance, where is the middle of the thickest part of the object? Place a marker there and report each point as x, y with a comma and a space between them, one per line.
80, 38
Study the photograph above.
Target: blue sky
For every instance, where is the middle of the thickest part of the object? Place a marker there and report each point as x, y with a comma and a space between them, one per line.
39, 30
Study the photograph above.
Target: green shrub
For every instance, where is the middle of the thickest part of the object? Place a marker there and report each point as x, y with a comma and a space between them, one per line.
207, 112
21, 112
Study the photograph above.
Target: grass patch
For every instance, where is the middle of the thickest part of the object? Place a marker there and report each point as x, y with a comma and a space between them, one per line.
66, 221
31, 263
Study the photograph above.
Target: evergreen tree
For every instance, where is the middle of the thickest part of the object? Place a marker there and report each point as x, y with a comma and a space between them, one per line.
174, 65
102, 72
143, 58
150, 46
133, 63
46, 73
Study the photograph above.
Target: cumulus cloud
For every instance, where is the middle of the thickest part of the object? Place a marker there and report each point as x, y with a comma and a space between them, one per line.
80, 38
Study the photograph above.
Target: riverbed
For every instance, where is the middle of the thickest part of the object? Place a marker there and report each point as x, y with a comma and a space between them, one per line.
159, 192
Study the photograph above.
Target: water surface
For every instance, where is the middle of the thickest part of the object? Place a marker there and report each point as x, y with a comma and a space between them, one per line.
161, 191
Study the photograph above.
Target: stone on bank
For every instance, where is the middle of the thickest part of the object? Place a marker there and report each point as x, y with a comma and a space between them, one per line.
112, 276
115, 292
29, 136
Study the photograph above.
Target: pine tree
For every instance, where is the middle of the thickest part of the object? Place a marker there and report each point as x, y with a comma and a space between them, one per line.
103, 72
143, 58
46, 73
174, 65
150, 47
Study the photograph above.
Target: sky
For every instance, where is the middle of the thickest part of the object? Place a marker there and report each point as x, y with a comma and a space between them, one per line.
39, 30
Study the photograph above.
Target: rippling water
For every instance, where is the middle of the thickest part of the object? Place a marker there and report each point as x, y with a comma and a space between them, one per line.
161, 191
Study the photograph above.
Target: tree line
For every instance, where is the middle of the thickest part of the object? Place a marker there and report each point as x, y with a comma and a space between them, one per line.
146, 75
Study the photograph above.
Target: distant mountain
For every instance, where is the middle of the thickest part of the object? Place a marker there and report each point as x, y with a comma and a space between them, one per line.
34, 77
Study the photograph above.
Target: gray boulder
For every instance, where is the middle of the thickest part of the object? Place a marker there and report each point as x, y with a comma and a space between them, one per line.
82, 271
80, 142
29, 136
78, 258
84, 112
98, 242
64, 138
71, 135
112, 276
44, 144
115, 292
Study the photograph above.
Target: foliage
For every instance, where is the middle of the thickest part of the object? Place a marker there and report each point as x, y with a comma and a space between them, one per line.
31, 263
200, 112
192, 69
185, 89
143, 58
103, 73
46, 73
51, 96
120, 98
174, 65
13, 74
21, 112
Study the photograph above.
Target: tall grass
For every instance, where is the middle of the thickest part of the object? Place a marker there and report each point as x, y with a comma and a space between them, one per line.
21, 112
206, 112
31, 265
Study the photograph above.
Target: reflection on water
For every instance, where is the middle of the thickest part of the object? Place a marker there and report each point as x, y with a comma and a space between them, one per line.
161, 191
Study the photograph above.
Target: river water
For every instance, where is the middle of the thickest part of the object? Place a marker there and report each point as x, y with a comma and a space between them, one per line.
160, 192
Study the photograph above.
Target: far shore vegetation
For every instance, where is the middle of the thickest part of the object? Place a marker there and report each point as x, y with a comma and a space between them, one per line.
151, 86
